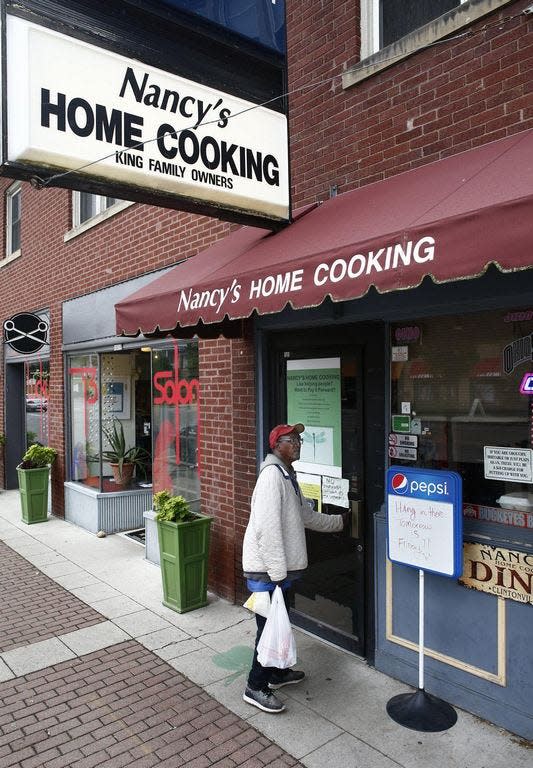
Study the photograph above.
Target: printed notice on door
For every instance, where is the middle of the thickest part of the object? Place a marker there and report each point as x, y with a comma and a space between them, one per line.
314, 399
511, 464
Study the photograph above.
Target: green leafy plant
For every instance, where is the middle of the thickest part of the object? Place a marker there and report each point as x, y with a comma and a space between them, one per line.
172, 509
118, 453
2, 440
38, 456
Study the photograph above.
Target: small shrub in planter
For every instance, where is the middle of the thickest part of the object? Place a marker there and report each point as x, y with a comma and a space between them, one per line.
173, 509
37, 457
33, 482
184, 552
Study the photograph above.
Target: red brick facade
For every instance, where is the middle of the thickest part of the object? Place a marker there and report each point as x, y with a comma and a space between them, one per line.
442, 100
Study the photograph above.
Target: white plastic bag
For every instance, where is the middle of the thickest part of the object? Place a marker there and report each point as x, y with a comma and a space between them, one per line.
276, 647
259, 602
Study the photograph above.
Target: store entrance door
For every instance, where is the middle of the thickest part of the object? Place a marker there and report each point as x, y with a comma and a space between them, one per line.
334, 598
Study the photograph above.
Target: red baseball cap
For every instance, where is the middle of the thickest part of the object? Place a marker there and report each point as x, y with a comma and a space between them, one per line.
283, 429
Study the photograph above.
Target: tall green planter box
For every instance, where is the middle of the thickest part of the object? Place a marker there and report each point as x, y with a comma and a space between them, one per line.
184, 556
33, 485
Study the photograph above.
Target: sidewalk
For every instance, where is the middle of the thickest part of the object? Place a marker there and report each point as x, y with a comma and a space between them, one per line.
95, 671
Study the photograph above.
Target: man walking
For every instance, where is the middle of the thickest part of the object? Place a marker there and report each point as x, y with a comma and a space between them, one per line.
274, 548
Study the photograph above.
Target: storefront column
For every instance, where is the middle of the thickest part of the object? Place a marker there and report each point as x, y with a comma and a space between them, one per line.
228, 451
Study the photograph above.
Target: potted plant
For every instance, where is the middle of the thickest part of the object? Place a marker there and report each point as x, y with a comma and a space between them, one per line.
122, 460
33, 473
184, 551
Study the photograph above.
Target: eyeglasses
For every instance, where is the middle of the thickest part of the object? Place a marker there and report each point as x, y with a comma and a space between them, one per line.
293, 440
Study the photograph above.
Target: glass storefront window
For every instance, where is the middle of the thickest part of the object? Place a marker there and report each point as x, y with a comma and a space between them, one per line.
37, 377
456, 391
84, 419
110, 395
176, 420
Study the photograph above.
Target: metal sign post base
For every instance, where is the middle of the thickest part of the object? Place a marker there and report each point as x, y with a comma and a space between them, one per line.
421, 711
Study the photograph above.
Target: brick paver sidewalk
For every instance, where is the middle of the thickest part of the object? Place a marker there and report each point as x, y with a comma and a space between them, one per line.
120, 706
33, 607
123, 706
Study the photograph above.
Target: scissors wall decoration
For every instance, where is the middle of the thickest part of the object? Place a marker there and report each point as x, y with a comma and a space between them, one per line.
26, 333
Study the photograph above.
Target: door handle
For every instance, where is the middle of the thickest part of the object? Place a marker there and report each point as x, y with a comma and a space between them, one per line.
359, 547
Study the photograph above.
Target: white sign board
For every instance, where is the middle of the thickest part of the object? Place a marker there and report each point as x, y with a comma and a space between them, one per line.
421, 533
424, 515
72, 104
511, 464
400, 452
405, 441
335, 491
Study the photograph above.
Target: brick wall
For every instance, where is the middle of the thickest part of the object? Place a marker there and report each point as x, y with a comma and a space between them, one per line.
227, 445
449, 98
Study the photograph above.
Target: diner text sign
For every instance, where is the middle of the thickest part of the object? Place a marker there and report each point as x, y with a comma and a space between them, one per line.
501, 572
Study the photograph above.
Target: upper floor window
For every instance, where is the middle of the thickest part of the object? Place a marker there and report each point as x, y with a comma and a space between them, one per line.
398, 19
86, 206
408, 27
383, 22
13, 215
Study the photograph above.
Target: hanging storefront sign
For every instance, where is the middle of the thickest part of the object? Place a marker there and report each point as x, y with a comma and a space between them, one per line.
141, 127
501, 572
314, 399
26, 333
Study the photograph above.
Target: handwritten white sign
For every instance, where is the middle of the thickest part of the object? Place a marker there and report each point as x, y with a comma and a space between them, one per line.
335, 491
421, 533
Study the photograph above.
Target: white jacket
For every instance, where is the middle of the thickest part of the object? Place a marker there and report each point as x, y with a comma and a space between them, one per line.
274, 542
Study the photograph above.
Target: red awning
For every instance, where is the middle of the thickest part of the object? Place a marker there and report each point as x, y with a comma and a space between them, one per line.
449, 219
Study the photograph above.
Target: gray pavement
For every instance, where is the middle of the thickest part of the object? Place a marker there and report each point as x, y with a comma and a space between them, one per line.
337, 717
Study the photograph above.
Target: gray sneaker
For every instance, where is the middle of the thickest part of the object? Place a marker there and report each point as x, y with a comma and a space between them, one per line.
263, 699
286, 677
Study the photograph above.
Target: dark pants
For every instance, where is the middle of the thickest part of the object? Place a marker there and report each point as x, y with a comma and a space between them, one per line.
260, 676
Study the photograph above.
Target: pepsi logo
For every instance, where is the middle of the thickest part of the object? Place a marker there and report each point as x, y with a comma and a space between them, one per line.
399, 483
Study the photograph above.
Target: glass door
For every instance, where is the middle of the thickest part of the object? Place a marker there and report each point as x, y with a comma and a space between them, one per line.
334, 382
329, 599
37, 385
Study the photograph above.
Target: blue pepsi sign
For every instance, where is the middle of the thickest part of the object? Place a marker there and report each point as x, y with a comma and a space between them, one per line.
424, 519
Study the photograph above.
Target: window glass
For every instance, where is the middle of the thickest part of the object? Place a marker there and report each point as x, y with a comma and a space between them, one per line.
111, 420
87, 206
125, 382
398, 19
37, 376
456, 391
13, 200
84, 419
176, 417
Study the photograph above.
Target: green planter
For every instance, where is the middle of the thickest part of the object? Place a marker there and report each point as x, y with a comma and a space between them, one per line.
184, 554
33, 485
